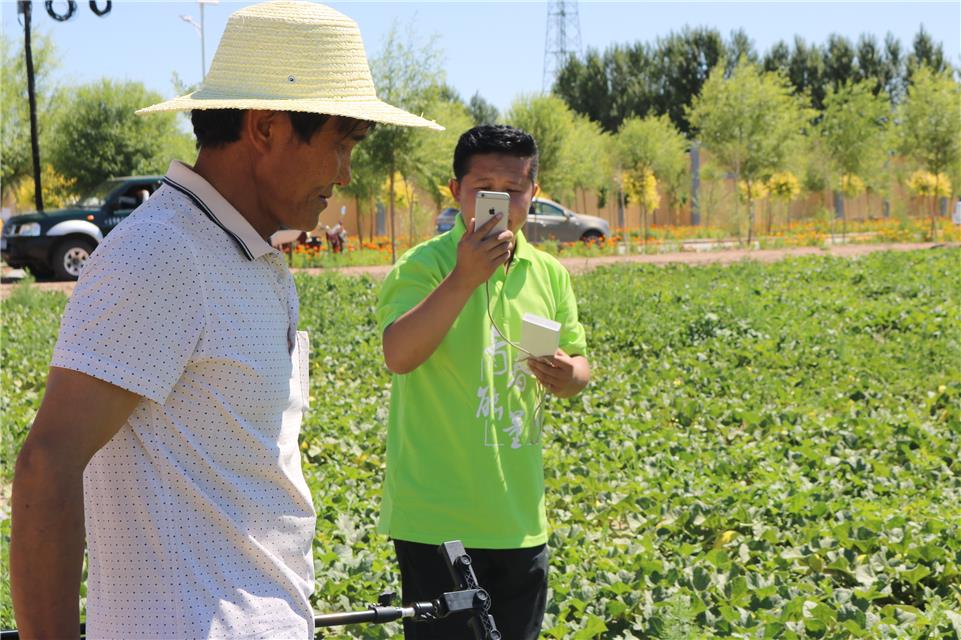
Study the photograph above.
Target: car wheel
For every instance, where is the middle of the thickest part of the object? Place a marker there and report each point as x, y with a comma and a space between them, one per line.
70, 256
592, 235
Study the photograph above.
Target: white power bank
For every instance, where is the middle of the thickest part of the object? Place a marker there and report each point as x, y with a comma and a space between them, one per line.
540, 336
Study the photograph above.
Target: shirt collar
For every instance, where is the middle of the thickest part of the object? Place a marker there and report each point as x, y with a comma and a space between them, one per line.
522, 248
215, 206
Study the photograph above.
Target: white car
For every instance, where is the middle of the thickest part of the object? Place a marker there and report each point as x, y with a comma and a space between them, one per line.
548, 220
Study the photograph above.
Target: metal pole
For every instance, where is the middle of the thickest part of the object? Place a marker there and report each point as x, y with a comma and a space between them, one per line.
203, 55
26, 8
695, 184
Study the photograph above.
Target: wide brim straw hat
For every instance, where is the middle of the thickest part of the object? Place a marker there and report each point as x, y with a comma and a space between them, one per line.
292, 56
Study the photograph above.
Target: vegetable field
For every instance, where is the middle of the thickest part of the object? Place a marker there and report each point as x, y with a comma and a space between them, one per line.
765, 451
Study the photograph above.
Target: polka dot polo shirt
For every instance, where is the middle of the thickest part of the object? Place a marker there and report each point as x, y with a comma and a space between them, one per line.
199, 521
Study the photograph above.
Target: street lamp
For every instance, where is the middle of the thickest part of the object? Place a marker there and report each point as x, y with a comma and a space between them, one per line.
200, 31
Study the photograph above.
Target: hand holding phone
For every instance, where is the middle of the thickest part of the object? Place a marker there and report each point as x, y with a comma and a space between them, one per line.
487, 204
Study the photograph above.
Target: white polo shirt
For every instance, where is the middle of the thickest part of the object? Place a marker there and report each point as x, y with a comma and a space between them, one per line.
199, 521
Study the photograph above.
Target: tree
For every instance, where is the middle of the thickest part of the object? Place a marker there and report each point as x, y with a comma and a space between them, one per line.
641, 79
855, 130
931, 124
433, 161
15, 110
751, 122
839, 65
482, 111
893, 72
651, 148
739, 47
925, 53
366, 178
98, 135
783, 187
551, 123
584, 86
588, 157
681, 65
407, 74
806, 72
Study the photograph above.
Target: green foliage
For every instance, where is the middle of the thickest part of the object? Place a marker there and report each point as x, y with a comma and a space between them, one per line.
659, 78
664, 76
551, 123
750, 121
588, 156
482, 111
407, 74
15, 108
765, 450
855, 129
98, 135
926, 53
653, 143
931, 123
435, 149
574, 152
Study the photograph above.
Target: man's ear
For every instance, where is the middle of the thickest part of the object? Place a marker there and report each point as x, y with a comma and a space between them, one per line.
454, 187
262, 129
537, 188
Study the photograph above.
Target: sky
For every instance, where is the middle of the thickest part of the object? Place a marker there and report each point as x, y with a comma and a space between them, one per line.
494, 48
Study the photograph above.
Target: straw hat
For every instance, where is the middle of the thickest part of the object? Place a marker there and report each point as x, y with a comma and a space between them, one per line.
292, 56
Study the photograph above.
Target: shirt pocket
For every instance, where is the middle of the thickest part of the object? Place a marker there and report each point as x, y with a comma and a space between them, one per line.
302, 366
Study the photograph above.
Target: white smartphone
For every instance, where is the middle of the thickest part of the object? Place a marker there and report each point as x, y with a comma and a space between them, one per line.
489, 203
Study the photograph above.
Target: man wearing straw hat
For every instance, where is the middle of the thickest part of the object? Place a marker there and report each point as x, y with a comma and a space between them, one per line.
168, 432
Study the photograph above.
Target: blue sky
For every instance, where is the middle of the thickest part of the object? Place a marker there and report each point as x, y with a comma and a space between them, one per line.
496, 48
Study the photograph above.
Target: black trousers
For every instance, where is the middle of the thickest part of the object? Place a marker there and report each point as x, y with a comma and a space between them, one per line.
516, 580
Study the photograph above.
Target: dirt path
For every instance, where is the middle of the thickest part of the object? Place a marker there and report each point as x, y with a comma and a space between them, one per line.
582, 265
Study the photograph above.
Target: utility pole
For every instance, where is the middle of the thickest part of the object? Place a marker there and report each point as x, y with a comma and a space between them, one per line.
25, 9
563, 38
200, 32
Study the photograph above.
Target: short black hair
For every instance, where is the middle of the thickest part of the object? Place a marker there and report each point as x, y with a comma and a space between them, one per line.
494, 138
218, 127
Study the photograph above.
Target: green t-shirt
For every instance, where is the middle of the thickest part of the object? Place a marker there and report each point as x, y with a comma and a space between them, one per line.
463, 446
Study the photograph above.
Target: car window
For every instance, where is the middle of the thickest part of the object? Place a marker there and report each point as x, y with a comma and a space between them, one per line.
545, 209
99, 194
138, 193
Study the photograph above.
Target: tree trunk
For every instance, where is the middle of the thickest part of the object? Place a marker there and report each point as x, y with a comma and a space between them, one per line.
393, 235
410, 221
737, 201
360, 229
644, 217
750, 216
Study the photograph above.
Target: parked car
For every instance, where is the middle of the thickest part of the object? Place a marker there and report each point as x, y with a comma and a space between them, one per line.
58, 242
547, 220
446, 218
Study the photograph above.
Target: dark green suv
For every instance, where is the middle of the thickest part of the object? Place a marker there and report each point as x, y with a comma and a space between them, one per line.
57, 243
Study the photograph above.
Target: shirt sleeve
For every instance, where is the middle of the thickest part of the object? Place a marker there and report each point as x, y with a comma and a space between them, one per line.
573, 340
411, 280
137, 313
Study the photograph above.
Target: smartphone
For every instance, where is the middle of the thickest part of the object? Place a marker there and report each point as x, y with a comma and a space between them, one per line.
487, 205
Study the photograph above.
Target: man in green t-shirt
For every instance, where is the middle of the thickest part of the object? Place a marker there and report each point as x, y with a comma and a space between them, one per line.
464, 439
